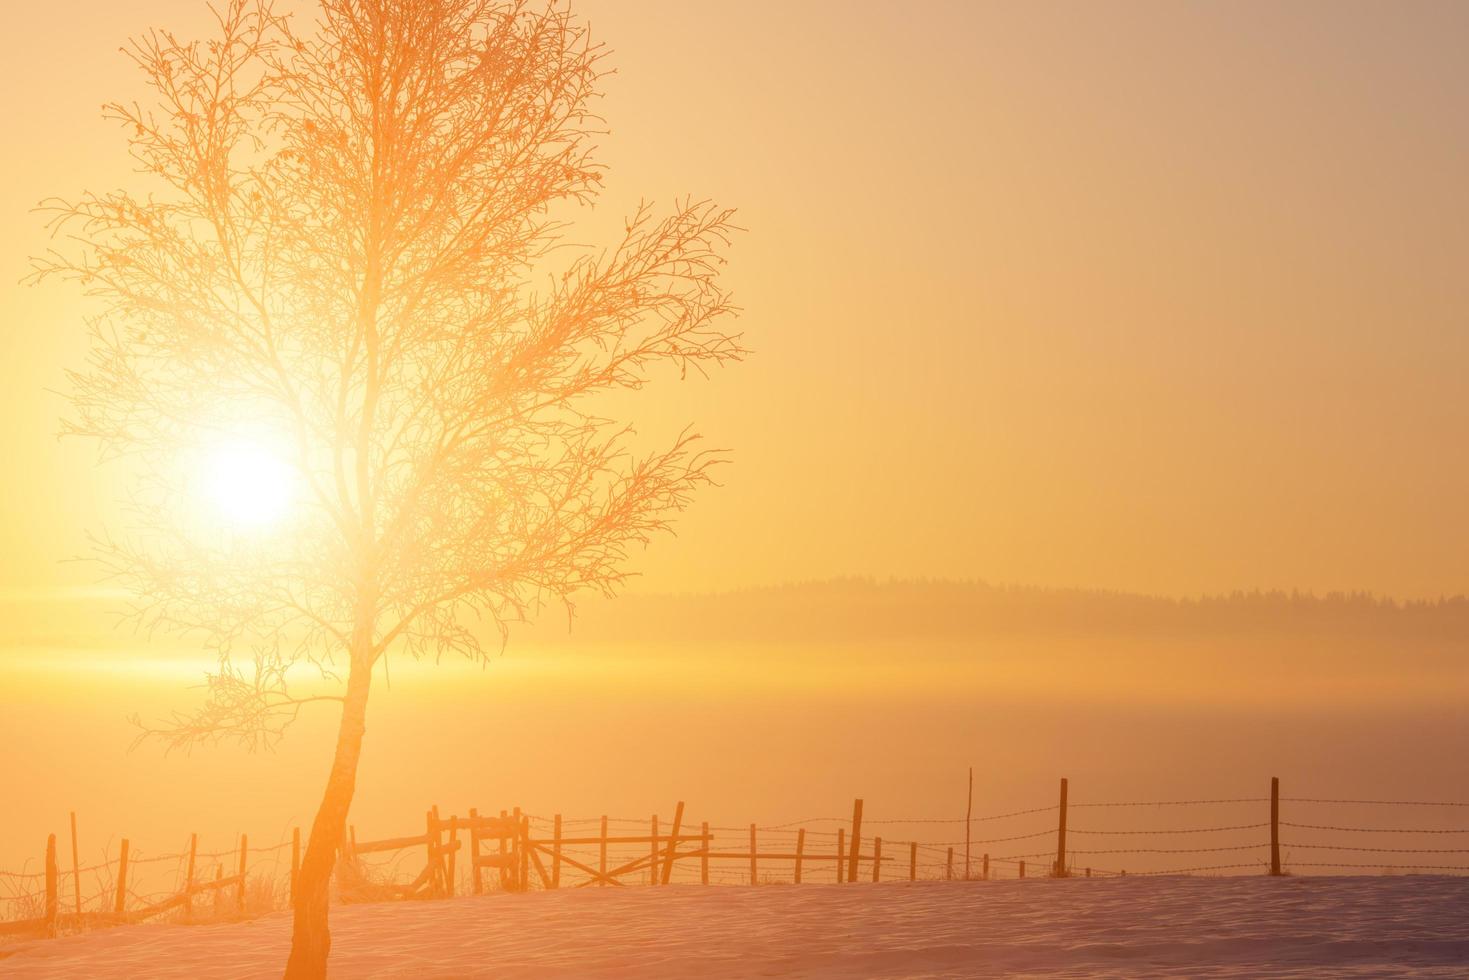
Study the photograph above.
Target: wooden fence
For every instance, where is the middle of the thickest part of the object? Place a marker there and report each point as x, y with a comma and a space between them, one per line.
516, 851
522, 860
54, 918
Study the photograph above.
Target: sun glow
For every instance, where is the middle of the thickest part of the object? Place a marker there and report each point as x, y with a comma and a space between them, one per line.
247, 485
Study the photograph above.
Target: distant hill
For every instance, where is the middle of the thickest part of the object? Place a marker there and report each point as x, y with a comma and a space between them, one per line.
862, 609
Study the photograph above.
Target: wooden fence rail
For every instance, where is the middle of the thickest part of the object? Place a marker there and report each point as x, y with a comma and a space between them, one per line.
504, 851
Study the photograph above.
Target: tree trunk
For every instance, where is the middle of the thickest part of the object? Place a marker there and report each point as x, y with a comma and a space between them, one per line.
310, 938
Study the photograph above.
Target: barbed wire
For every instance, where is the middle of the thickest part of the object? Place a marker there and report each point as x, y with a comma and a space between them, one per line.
1394, 867
1186, 830
939, 860
1048, 832
134, 861
1373, 830
983, 819
1307, 799
1185, 871
1249, 799
1381, 850
1173, 850
914, 820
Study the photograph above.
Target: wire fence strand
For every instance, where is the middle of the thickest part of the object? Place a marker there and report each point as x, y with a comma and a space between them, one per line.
920, 856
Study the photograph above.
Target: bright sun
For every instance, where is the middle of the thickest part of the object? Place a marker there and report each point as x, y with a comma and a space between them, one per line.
248, 485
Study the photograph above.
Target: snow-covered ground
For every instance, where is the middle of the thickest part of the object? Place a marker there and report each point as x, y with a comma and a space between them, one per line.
1117, 927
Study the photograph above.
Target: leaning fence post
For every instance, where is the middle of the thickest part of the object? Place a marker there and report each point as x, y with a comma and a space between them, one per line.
51, 875
877, 859
968, 815
556, 852
1060, 869
76, 873
841, 853
122, 878
1275, 825
189, 874
800, 851
240, 888
913, 861
856, 839
673, 842
703, 853
754, 874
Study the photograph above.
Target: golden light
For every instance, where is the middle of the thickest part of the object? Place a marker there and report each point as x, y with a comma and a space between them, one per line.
247, 485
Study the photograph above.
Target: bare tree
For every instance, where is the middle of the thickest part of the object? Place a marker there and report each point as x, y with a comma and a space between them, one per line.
354, 239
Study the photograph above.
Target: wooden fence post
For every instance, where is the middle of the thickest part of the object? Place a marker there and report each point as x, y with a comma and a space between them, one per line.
841, 854
653, 854
122, 878
218, 891
968, 815
506, 875
477, 884
240, 888
52, 900
986, 871
556, 852
189, 874
523, 884
949, 866
1022, 869
703, 854
1275, 825
76, 872
520, 874
754, 876
1088, 872
439, 854
431, 849
913, 861
673, 843
1060, 870
602, 855
877, 859
453, 852
800, 851
856, 839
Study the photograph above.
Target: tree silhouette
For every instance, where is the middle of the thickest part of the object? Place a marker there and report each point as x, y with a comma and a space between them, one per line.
354, 241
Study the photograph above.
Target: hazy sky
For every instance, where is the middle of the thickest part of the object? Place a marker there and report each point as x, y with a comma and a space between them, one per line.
1167, 297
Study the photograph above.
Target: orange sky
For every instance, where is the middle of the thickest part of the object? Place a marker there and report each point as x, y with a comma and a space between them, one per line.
1159, 297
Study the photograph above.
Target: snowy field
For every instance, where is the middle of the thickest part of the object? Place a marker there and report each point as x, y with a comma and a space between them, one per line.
1119, 927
